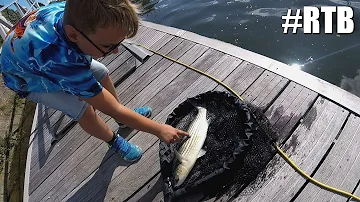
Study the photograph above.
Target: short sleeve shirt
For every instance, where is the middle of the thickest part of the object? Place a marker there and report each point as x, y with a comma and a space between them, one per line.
37, 56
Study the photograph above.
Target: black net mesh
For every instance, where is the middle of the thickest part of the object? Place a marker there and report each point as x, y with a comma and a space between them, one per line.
235, 145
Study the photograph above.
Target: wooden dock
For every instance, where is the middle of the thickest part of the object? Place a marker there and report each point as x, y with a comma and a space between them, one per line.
318, 126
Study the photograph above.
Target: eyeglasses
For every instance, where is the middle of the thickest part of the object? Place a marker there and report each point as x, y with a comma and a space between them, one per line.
111, 49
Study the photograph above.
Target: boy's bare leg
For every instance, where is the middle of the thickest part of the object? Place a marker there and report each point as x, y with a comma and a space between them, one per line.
94, 125
109, 85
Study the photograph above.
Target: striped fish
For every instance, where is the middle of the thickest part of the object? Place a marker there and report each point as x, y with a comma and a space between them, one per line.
191, 150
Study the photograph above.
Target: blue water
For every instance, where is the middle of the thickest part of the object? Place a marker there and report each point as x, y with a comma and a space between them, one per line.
256, 26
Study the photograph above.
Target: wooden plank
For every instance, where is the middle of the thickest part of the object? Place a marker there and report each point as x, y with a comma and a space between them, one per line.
237, 81
124, 71
267, 89
64, 185
155, 34
65, 147
151, 191
133, 176
356, 190
340, 168
50, 116
141, 31
299, 105
41, 116
195, 50
306, 147
65, 142
289, 108
151, 74
297, 114
150, 33
153, 61
283, 102
120, 59
44, 126
42, 143
258, 86
271, 90
161, 42
146, 140
62, 169
106, 60
143, 68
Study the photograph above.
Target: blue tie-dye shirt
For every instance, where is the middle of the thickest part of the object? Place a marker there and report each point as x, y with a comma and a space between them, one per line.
37, 56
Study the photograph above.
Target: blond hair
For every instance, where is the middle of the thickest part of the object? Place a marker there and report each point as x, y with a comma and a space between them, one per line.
87, 15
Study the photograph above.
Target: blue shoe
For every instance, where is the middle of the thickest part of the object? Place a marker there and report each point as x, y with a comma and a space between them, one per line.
145, 111
128, 151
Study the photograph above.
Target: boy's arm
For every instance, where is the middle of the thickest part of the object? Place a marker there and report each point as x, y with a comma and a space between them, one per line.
106, 103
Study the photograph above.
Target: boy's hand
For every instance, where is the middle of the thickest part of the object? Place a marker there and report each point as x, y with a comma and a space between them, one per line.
169, 134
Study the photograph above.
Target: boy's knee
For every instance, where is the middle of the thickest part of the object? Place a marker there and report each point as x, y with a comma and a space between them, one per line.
89, 113
107, 77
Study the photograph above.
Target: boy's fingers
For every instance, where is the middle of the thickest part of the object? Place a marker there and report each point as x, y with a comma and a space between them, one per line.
183, 133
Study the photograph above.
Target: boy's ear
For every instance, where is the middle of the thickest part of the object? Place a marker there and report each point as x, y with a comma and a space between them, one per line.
71, 33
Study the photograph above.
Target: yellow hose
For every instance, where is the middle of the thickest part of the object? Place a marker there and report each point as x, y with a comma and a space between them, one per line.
276, 147
313, 180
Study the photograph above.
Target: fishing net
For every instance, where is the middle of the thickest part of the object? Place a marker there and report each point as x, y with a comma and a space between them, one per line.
238, 147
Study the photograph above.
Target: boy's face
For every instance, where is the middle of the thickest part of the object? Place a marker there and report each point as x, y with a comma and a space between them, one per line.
104, 41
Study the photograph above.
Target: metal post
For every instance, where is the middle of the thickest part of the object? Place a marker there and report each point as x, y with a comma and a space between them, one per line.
20, 9
33, 4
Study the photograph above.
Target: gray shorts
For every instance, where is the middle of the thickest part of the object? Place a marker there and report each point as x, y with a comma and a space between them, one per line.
69, 104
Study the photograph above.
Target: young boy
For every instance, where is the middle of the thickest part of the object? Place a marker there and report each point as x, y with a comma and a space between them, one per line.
47, 58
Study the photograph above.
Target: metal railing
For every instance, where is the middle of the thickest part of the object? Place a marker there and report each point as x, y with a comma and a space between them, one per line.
5, 24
